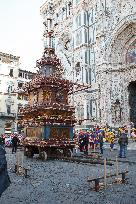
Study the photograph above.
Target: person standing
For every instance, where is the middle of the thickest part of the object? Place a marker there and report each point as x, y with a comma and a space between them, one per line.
86, 142
4, 177
15, 142
123, 142
101, 142
2, 140
112, 140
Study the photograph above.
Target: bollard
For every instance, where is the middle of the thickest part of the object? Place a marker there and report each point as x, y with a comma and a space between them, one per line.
105, 173
26, 173
22, 161
17, 163
117, 168
97, 186
123, 178
94, 147
16, 168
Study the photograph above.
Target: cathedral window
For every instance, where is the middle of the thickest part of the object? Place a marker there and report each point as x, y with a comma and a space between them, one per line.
20, 84
19, 97
79, 38
86, 35
10, 87
93, 76
77, 1
92, 34
8, 109
92, 57
91, 17
131, 53
25, 76
11, 72
87, 56
82, 71
89, 76
78, 21
30, 76
93, 108
69, 8
88, 112
86, 76
20, 74
25, 98
82, 111
86, 18
77, 68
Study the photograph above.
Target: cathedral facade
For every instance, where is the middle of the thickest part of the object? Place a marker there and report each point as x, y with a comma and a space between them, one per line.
96, 42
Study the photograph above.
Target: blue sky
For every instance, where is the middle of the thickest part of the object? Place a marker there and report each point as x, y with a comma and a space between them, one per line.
21, 29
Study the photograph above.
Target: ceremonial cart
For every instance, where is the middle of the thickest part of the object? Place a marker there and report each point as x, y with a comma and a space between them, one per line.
48, 120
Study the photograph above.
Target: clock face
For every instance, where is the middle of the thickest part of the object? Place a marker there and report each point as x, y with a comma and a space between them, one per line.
59, 96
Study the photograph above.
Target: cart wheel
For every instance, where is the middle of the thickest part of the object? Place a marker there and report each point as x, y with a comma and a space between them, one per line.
43, 155
29, 153
25, 152
67, 152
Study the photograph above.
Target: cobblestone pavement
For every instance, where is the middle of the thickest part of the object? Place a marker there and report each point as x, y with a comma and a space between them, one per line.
57, 182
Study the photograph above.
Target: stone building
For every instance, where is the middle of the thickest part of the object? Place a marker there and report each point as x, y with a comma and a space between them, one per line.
24, 76
96, 42
11, 76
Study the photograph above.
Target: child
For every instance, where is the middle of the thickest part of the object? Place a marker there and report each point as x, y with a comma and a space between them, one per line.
112, 143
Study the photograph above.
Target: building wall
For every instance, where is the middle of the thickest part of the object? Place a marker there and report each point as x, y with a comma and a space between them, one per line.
95, 41
114, 71
8, 83
9, 100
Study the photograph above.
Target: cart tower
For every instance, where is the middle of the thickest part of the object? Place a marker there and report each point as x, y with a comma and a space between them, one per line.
48, 119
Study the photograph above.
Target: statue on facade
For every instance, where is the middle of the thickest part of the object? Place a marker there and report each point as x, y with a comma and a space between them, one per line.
117, 111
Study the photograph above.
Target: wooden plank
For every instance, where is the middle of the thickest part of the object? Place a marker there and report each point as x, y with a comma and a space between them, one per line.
108, 176
91, 161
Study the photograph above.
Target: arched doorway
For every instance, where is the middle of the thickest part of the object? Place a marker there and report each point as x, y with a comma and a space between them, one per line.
132, 101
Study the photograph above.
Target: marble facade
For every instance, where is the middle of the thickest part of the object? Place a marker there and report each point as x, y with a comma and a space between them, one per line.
96, 42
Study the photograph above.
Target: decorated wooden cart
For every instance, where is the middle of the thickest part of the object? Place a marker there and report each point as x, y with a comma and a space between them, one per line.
48, 120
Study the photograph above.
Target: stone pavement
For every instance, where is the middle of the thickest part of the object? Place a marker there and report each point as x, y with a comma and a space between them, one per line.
131, 151
57, 182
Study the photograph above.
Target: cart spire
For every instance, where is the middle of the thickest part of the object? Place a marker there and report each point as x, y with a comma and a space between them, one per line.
49, 64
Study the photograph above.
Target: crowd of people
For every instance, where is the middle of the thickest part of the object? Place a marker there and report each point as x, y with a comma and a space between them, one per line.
12, 140
94, 138
85, 140
7, 138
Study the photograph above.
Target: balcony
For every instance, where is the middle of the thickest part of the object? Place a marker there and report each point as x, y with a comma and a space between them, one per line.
10, 115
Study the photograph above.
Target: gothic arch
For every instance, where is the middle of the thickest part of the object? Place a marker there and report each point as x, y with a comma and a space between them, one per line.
131, 52
121, 38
